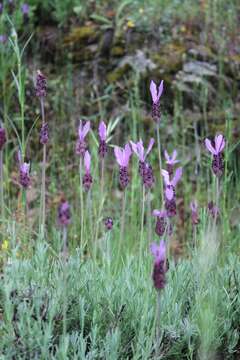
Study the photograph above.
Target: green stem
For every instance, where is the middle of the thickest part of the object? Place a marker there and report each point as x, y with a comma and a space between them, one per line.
157, 324
81, 201
124, 196
149, 217
142, 227
43, 192
159, 160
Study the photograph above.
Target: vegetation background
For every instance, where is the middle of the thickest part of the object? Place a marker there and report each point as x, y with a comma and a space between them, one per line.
99, 57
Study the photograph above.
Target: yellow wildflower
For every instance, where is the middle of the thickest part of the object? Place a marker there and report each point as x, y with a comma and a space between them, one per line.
5, 245
130, 24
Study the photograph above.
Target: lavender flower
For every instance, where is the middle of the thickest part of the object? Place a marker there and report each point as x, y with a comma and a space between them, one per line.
41, 85
216, 151
44, 133
24, 170
102, 131
170, 197
81, 145
161, 223
3, 138
24, 177
213, 209
3, 39
170, 161
108, 222
156, 94
87, 179
1, 8
194, 209
145, 169
64, 213
123, 157
25, 9
159, 267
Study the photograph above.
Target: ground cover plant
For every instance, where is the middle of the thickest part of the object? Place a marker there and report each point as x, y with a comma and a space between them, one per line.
119, 180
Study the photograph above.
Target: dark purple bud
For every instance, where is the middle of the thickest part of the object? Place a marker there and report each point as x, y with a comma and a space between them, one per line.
159, 267
64, 213
1, 8
87, 181
124, 177
102, 150
44, 134
156, 113
81, 147
171, 207
170, 169
141, 168
24, 177
11, 6
160, 226
213, 209
159, 275
218, 165
3, 138
41, 85
148, 177
108, 222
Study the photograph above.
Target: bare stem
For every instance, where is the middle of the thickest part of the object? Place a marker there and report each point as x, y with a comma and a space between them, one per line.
159, 160
65, 248
81, 200
124, 196
157, 324
149, 217
142, 226
43, 192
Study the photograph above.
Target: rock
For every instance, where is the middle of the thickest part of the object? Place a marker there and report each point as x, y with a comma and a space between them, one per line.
81, 35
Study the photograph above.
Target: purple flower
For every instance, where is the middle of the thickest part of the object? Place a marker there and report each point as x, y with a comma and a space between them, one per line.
216, 151
24, 170
3, 39
159, 268
87, 179
213, 209
170, 185
44, 134
64, 213
194, 210
161, 223
11, 6
145, 169
108, 222
81, 145
24, 177
1, 8
170, 161
41, 85
3, 138
156, 94
25, 9
123, 157
102, 131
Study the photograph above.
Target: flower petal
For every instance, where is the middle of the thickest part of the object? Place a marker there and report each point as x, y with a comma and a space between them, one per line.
102, 131
177, 176
153, 90
160, 90
119, 155
86, 129
209, 147
165, 175
169, 192
150, 145
219, 143
87, 161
